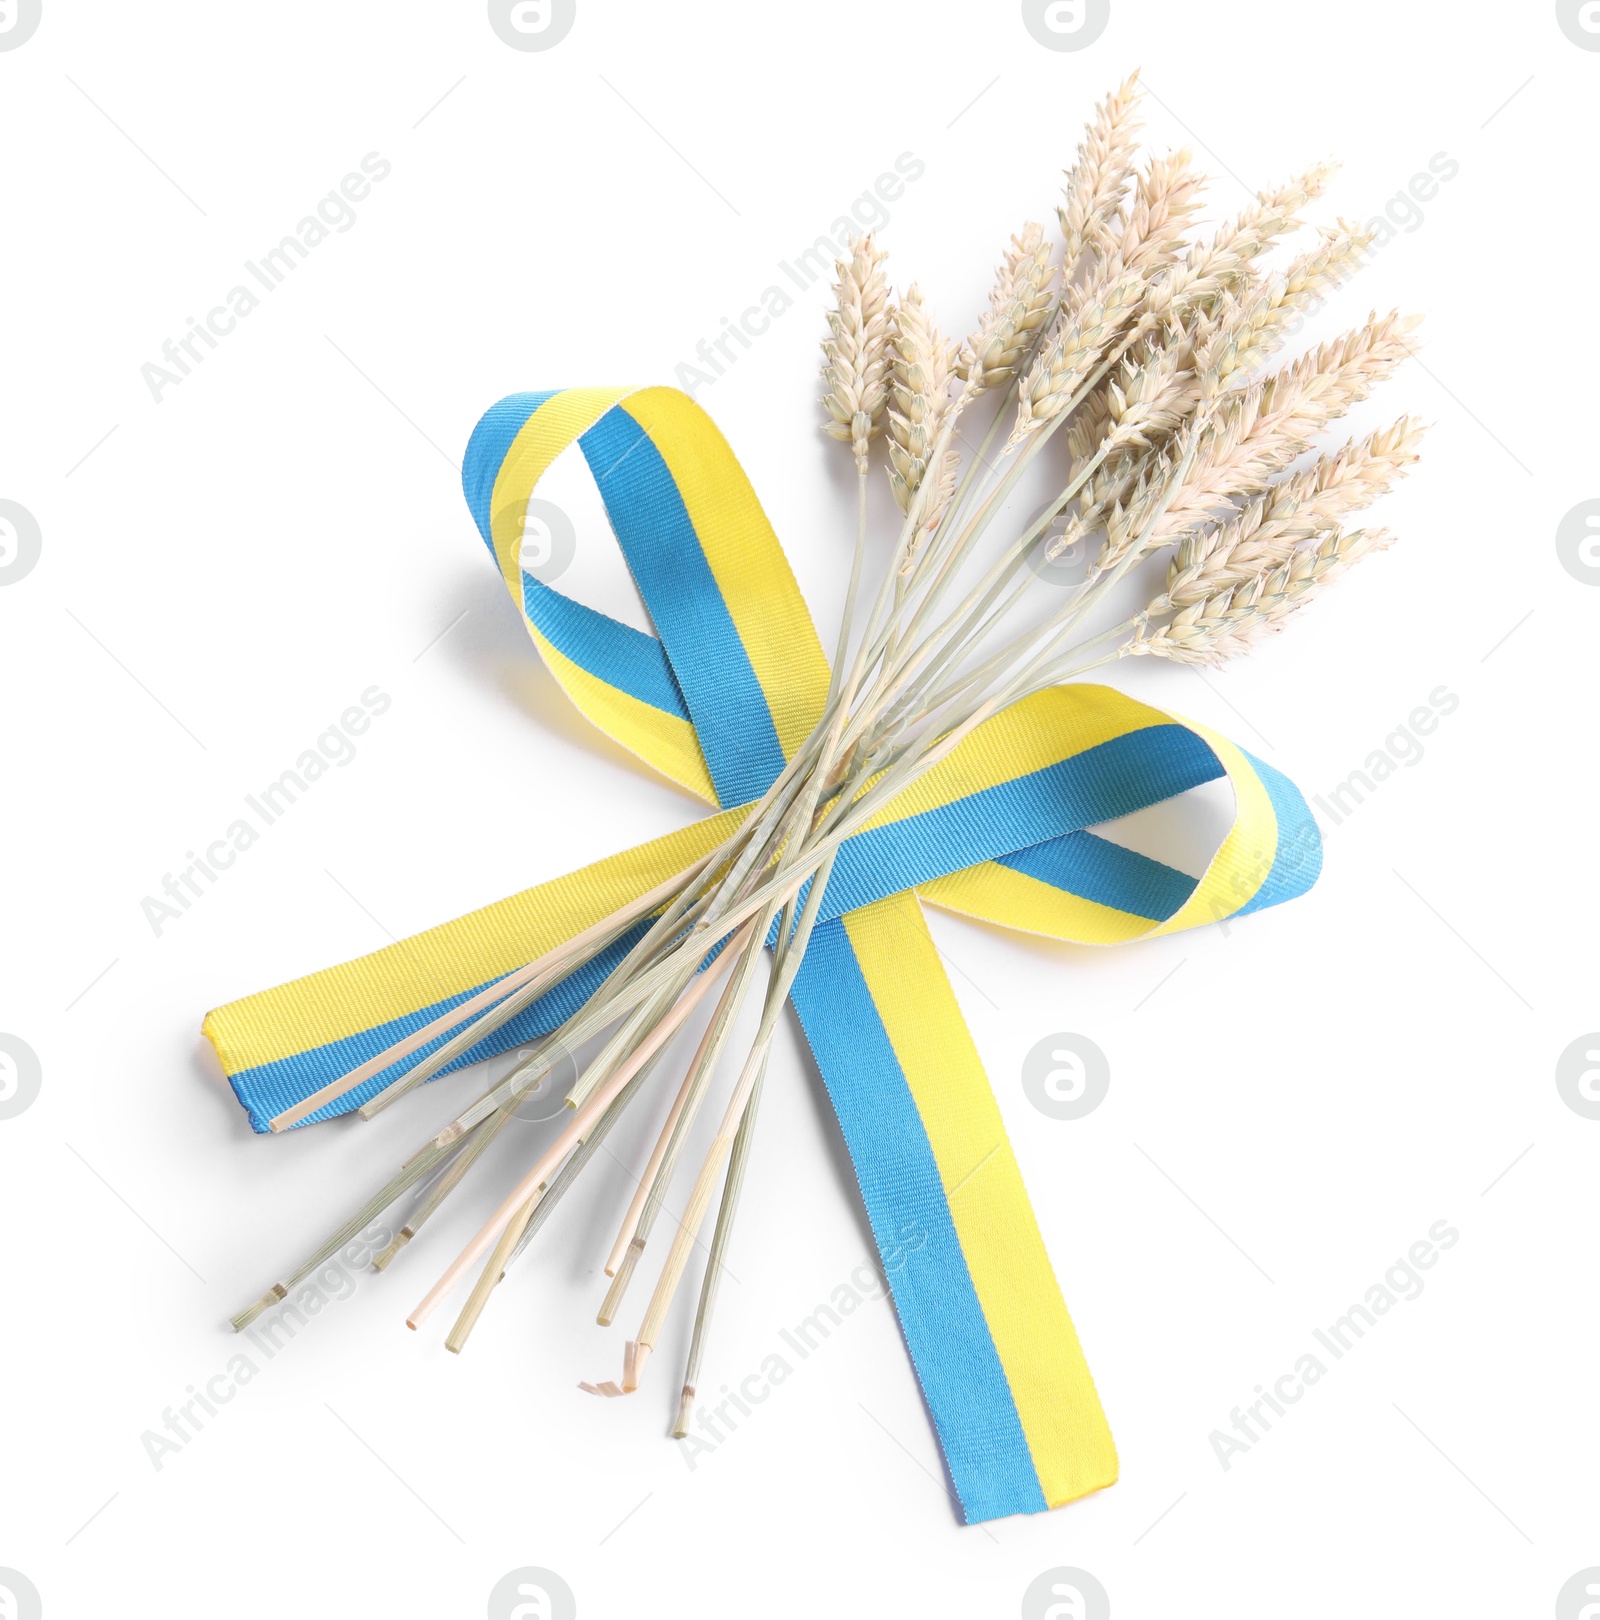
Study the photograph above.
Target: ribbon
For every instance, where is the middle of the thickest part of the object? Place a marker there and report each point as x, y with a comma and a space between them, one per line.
728, 688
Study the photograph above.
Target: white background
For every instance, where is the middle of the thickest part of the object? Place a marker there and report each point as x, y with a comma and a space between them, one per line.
1293, 1102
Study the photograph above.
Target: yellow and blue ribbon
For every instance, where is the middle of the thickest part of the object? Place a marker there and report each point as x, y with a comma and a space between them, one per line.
725, 691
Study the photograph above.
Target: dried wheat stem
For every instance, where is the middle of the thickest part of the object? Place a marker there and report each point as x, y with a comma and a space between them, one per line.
532, 980
478, 1141
778, 985
489, 1279
582, 1121
674, 1132
726, 1210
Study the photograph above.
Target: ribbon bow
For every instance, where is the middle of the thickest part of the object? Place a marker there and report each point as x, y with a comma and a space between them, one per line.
730, 686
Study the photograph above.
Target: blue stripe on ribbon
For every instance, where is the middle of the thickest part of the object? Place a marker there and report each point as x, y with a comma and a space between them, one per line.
270, 1088
497, 428
616, 653
1111, 779
685, 604
1096, 869
1297, 861
962, 1378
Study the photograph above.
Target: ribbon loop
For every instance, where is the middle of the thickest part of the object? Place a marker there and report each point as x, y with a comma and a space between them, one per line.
728, 688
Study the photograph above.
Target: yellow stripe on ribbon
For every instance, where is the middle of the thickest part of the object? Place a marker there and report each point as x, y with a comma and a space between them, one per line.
282, 1045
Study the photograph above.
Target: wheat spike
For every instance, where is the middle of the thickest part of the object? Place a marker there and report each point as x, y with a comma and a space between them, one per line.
1165, 201
1098, 179
1073, 353
1221, 627
1258, 432
1020, 304
1253, 326
921, 366
856, 351
1222, 264
1273, 525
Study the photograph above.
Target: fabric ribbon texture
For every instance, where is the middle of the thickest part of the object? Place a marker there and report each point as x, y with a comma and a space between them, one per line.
725, 691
